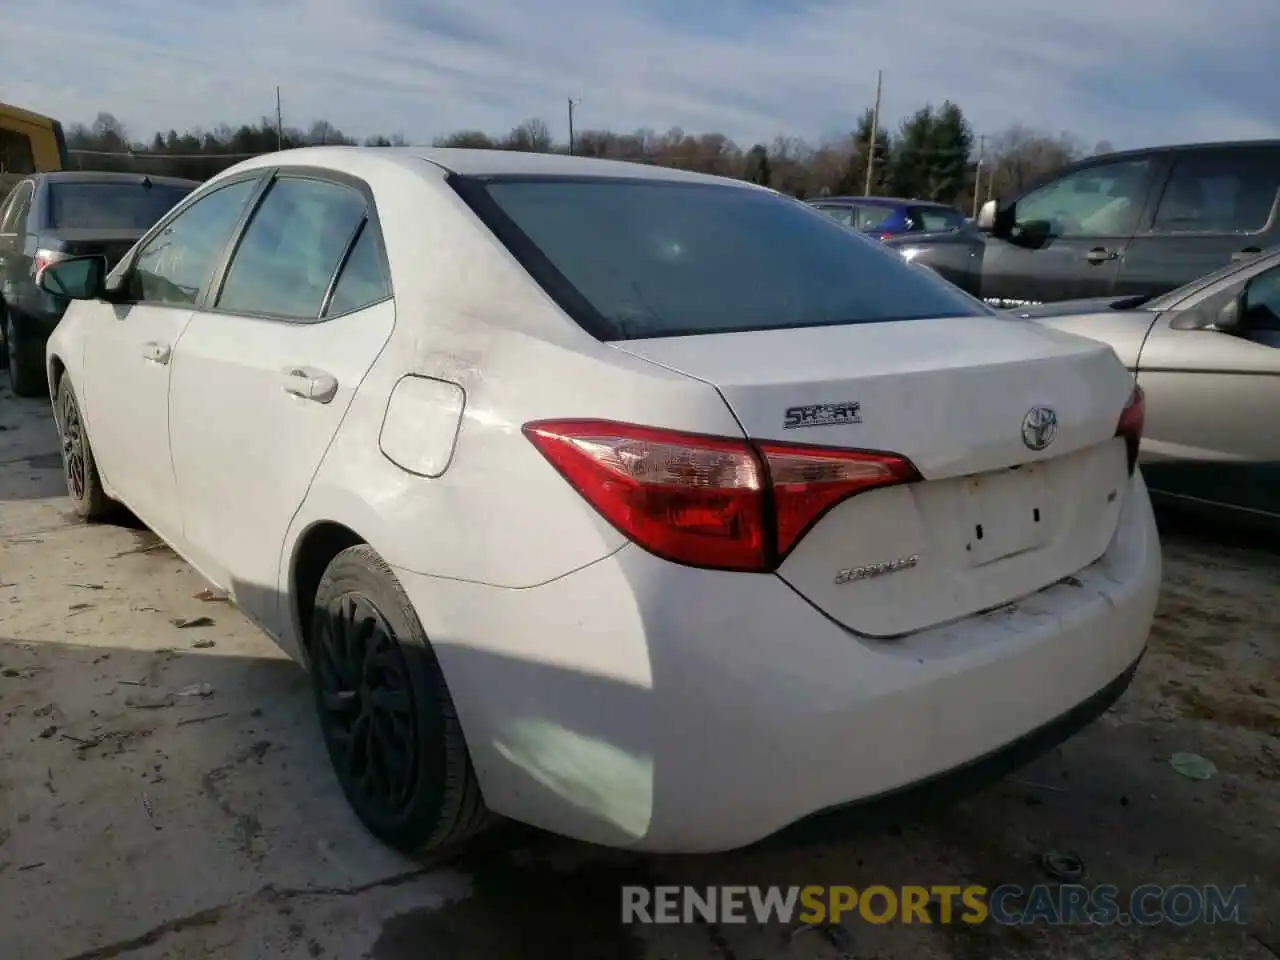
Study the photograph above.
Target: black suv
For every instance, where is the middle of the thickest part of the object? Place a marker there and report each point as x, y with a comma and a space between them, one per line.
1138, 223
50, 216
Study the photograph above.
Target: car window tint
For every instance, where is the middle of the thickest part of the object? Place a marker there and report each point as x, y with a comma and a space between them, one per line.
1219, 192
1262, 301
291, 248
111, 206
363, 280
174, 265
839, 214
1099, 201
16, 208
15, 153
644, 259
871, 217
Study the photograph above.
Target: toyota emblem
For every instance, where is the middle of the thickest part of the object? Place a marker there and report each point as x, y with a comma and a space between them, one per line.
1039, 427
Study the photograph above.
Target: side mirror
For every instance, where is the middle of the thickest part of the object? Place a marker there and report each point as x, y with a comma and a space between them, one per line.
79, 278
1227, 318
986, 219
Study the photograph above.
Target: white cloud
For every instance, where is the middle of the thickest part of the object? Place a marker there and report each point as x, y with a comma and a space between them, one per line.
1141, 72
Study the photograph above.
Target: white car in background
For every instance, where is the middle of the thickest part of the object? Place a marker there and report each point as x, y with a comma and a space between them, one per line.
646, 507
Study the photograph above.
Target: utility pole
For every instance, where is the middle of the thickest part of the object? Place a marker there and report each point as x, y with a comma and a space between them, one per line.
875, 128
279, 123
977, 173
572, 103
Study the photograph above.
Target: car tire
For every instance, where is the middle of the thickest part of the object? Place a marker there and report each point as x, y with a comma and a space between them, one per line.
387, 718
79, 469
26, 372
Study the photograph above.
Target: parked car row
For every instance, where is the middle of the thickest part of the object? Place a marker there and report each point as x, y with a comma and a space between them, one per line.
1138, 223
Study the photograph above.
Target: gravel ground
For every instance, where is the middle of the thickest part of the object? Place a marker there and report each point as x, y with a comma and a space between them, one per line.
163, 790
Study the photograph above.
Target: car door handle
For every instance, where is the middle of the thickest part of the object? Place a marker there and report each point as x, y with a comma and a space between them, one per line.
310, 384
1245, 254
1100, 255
156, 352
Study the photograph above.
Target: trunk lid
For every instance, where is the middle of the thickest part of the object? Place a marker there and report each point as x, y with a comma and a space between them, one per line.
993, 519
113, 244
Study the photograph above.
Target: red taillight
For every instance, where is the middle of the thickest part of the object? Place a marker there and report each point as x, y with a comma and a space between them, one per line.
886, 236
1132, 420
708, 501
806, 482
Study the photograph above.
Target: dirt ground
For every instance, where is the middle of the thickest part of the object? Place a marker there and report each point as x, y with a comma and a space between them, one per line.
163, 790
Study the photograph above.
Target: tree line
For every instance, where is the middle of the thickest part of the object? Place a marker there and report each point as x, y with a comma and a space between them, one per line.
932, 155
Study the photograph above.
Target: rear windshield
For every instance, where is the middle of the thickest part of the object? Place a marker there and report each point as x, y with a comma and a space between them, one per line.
630, 259
111, 206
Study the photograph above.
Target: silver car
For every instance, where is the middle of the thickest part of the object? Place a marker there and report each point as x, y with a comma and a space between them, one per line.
1208, 357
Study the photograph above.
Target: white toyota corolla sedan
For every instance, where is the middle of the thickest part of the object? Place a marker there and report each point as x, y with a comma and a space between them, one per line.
650, 508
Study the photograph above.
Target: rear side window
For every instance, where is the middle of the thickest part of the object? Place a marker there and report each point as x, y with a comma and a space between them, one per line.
291, 249
363, 280
938, 220
839, 214
15, 153
871, 217
631, 259
111, 206
1219, 192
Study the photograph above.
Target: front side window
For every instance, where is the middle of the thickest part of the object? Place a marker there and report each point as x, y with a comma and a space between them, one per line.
291, 248
1099, 201
15, 153
174, 265
634, 258
1219, 192
121, 205
1262, 301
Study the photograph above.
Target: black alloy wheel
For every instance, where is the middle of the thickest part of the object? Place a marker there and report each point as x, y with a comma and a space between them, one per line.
386, 714
366, 701
71, 429
79, 469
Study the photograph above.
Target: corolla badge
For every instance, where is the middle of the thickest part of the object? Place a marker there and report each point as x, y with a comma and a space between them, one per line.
1039, 427
854, 574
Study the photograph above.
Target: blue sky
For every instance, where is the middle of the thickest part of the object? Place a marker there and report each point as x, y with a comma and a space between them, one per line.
1134, 73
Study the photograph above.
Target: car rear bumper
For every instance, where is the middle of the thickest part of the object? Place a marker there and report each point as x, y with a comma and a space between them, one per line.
640, 704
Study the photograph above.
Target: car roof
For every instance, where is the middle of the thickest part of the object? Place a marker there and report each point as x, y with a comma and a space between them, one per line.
886, 201
104, 176
485, 163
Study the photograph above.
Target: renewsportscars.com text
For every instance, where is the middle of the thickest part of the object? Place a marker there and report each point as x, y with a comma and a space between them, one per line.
1007, 905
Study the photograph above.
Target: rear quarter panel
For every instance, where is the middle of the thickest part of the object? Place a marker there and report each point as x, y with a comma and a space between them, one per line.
468, 314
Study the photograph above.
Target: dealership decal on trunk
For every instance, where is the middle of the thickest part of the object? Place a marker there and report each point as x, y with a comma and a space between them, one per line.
823, 415
853, 574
